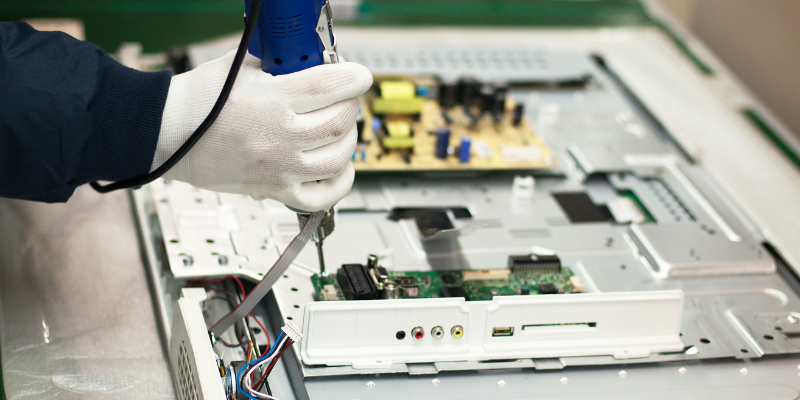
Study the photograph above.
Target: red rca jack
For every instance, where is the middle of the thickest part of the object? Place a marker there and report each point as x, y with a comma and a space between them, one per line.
418, 333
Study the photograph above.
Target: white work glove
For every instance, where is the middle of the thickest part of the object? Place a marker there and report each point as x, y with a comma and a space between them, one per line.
288, 138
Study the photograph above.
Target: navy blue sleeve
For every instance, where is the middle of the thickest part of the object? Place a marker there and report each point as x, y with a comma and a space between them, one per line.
71, 114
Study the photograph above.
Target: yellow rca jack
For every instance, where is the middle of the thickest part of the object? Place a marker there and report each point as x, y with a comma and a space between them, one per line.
457, 331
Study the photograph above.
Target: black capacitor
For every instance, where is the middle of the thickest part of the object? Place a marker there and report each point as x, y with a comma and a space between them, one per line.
487, 98
448, 94
467, 91
516, 120
499, 103
360, 128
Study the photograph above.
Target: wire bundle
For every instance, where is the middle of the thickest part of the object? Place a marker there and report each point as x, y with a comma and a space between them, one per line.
244, 377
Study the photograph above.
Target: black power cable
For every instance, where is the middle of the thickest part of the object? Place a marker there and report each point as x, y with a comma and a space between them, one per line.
212, 116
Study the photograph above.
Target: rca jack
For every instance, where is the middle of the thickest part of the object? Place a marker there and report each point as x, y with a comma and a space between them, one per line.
437, 332
457, 331
418, 333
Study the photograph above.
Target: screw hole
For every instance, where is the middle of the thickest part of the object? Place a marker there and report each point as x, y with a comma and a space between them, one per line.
278, 61
778, 328
286, 276
705, 341
296, 306
400, 335
174, 241
744, 351
294, 289
769, 337
209, 240
289, 318
304, 58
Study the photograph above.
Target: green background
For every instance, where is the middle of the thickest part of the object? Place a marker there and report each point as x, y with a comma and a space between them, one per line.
159, 24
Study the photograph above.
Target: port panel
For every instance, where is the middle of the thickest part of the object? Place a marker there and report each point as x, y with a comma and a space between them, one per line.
364, 334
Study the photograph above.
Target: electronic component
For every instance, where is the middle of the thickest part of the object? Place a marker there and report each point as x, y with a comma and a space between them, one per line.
503, 331
448, 278
547, 263
465, 149
329, 293
437, 332
404, 280
453, 291
517, 114
577, 284
396, 98
478, 285
390, 290
418, 333
399, 135
355, 283
457, 331
490, 274
411, 111
411, 292
547, 288
442, 142
448, 94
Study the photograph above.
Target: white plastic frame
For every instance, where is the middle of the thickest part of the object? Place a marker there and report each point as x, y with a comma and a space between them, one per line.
363, 334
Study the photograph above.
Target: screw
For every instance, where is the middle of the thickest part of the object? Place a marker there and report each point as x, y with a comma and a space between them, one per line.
623, 373
320, 29
187, 260
501, 383
370, 384
564, 380
743, 371
435, 382
682, 371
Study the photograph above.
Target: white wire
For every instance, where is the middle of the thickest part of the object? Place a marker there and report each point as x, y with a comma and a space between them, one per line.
247, 381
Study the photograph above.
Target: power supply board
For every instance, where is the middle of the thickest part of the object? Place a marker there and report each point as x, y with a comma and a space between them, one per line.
524, 277
419, 123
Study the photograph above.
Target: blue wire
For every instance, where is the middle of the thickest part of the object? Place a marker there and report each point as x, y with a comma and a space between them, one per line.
239, 374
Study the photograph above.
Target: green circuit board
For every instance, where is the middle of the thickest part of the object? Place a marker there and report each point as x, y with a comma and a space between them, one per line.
430, 284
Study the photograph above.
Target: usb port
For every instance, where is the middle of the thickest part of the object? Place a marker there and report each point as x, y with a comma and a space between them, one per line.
503, 331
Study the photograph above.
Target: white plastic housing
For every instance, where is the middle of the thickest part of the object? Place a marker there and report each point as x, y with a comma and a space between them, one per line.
194, 366
364, 334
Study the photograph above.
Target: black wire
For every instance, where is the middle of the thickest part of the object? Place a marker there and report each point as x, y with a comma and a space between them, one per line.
212, 116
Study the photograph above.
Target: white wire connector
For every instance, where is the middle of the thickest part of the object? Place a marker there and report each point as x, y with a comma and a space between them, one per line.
292, 331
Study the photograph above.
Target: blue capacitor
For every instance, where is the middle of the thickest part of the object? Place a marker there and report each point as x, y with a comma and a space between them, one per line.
285, 38
464, 150
442, 142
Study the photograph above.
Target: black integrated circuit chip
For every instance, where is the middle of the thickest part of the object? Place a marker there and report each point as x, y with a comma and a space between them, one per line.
454, 291
448, 278
548, 288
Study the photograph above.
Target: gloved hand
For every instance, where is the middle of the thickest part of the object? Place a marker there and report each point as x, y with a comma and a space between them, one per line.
288, 138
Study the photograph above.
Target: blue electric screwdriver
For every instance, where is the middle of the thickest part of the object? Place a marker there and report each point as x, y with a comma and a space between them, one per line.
290, 36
